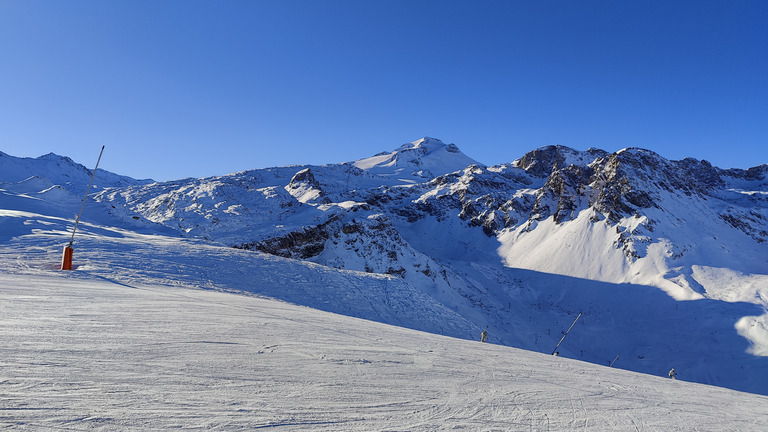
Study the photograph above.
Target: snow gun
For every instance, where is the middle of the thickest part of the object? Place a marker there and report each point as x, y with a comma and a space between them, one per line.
66, 262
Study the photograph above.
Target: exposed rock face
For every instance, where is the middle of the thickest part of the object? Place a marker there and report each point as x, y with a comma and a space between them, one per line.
305, 188
302, 244
541, 162
303, 177
562, 194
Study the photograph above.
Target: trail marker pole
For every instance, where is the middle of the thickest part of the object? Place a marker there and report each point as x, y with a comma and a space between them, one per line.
614, 361
66, 261
566, 334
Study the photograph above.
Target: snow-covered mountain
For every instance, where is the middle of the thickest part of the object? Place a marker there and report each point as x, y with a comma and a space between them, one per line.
52, 169
424, 159
666, 260
52, 181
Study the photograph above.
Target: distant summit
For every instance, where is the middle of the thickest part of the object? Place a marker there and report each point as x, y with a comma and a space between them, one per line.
51, 169
425, 158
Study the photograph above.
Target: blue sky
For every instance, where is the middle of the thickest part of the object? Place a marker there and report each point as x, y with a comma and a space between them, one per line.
197, 88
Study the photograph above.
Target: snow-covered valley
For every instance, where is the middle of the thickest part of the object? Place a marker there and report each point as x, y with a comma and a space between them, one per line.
351, 296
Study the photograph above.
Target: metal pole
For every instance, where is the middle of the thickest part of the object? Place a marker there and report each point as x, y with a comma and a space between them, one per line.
566, 333
93, 174
614, 361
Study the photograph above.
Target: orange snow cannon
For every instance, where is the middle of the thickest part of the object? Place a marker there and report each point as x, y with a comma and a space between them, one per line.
66, 261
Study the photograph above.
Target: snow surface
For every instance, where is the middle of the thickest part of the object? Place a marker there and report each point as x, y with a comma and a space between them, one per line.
673, 286
82, 350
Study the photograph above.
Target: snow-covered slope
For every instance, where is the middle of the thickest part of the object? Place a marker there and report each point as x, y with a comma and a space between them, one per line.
87, 351
52, 184
52, 169
666, 260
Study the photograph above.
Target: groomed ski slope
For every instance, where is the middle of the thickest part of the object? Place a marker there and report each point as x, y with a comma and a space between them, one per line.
82, 350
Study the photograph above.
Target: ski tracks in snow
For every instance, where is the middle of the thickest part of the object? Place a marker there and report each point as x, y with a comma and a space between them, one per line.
79, 352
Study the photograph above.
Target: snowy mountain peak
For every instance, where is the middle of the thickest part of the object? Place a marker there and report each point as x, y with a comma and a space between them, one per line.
637, 151
431, 144
59, 170
417, 161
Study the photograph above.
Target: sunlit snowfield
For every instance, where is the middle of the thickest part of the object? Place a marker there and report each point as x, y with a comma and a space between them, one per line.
125, 342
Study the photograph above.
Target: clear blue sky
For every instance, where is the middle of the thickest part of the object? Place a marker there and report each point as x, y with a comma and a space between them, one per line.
196, 88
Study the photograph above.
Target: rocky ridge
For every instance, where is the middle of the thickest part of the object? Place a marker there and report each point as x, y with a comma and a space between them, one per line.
297, 211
